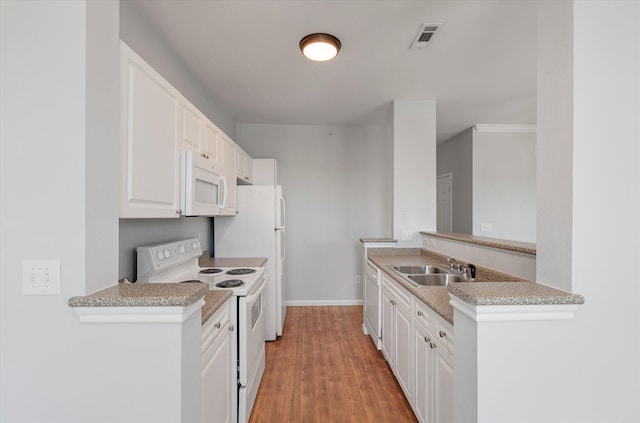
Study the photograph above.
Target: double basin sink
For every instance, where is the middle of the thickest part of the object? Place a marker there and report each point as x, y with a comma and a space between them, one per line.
427, 275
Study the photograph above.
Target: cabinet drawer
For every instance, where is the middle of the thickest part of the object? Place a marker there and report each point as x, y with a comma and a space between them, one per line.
403, 297
444, 334
424, 316
215, 325
372, 271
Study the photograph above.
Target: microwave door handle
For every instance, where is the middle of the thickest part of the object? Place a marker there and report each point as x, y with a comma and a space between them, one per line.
224, 193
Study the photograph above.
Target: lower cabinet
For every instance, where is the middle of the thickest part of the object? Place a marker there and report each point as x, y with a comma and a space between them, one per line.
397, 304
217, 368
433, 352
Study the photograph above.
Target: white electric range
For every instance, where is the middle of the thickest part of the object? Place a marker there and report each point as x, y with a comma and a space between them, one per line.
177, 262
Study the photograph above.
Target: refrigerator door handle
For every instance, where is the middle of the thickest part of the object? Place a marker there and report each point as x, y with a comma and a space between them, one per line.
283, 212
224, 193
283, 245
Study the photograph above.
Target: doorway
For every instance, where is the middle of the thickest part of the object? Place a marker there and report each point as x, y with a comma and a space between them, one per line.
444, 198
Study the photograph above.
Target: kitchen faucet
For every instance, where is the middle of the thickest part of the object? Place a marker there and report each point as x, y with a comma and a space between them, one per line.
452, 263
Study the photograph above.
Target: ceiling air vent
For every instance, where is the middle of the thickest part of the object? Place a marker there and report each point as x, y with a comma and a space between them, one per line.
424, 36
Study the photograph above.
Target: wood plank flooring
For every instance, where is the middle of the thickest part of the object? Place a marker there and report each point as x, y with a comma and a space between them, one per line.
324, 369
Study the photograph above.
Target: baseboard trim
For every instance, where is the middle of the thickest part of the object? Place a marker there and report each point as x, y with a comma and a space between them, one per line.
311, 303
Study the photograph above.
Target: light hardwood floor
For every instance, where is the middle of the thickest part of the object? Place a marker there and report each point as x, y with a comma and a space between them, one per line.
324, 369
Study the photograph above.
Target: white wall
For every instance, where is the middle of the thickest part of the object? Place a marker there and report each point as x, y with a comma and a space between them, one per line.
554, 176
414, 169
585, 369
58, 144
337, 183
504, 185
456, 156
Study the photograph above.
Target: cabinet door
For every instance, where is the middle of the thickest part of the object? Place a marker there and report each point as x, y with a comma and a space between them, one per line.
388, 329
229, 171
443, 386
192, 127
423, 374
403, 350
150, 123
212, 147
217, 381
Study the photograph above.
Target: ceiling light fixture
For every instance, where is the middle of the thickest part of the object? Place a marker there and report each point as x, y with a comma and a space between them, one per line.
320, 47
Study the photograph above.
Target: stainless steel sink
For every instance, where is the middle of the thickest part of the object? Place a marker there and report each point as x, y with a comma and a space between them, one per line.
427, 275
442, 279
419, 270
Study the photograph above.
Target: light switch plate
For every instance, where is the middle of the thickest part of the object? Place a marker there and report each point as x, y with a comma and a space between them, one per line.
40, 277
407, 235
486, 227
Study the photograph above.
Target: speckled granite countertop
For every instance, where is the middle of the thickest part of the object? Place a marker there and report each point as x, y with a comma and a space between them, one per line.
212, 301
143, 295
436, 297
512, 293
205, 261
515, 246
366, 240
505, 292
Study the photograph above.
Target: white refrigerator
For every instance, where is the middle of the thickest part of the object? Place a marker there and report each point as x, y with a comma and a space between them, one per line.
258, 230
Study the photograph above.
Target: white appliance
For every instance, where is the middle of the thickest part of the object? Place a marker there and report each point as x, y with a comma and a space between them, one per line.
178, 262
372, 301
203, 191
258, 230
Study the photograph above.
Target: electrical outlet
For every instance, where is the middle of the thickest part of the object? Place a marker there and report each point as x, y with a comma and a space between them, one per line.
486, 227
405, 214
407, 235
357, 279
40, 277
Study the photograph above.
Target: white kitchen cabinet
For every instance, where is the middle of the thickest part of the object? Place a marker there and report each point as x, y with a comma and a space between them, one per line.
211, 145
244, 167
397, 340
150, 140
433, 392
192, 132
229, 171
217, 367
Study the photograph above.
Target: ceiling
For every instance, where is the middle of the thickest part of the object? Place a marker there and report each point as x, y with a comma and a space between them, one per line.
480, 66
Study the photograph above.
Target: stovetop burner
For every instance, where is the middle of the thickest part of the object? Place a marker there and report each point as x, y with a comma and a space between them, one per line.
211, 271
241, 271
191, 281
230, 283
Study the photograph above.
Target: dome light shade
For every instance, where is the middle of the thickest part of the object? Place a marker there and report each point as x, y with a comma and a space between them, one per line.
320, 47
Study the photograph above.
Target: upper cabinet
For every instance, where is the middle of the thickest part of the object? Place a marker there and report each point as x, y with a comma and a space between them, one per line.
229, 170
244, 167
150, 140
157, 124
192, 132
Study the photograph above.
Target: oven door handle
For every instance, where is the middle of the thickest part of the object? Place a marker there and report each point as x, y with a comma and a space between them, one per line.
251, 298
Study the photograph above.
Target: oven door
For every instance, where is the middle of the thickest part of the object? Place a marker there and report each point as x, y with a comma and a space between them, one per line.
251, 347
204, 191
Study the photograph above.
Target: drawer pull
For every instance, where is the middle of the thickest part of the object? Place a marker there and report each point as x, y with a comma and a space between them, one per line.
432, 345
427, 339
419, 313
442, 334
217, 326
231, 328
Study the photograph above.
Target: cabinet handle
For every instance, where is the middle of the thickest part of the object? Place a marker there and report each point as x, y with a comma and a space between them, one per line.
392, 302
442, 334
427, 339
178, 212
231, 328
432, 345
217, 325
206, 156
419, 313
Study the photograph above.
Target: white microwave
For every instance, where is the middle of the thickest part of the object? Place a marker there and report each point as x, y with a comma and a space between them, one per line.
204, 191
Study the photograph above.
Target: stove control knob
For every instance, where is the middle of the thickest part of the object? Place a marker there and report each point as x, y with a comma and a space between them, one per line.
182, 249
160, 255
167, 254
194, 245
